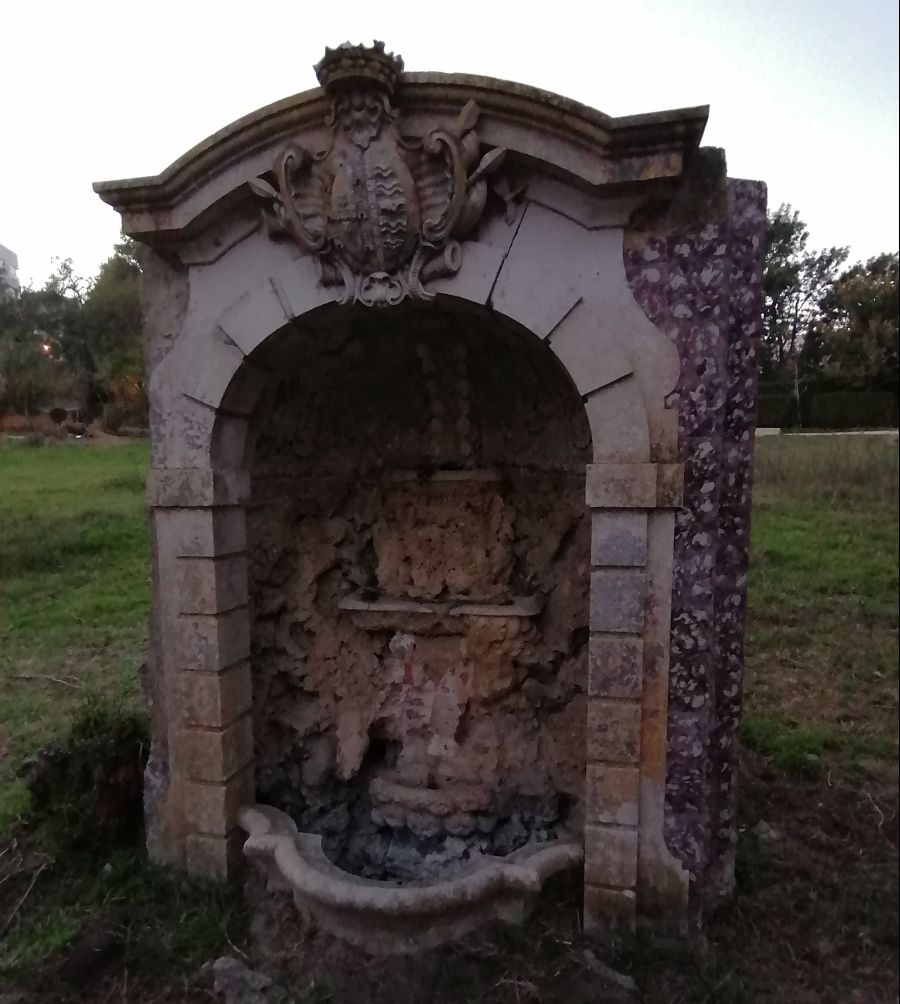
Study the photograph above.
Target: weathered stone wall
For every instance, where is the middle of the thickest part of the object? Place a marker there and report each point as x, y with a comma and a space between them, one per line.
419, 565
701, 283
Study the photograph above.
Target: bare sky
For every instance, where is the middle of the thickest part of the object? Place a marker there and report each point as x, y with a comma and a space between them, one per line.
803, 93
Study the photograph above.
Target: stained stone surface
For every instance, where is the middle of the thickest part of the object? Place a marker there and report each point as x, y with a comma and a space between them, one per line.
703, 288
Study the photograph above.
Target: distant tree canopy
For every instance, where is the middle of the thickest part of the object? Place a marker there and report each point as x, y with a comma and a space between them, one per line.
824, 324
76, 340
26, 372
856, 342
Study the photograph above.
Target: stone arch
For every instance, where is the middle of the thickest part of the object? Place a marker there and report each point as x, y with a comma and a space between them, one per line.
621, 365
552, 264
600, 338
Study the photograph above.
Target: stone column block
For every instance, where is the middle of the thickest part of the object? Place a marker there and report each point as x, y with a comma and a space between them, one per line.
618, 600
190, 487
213, 856
212, 642
209, 533
619, 538
613, 794
620, 486
669, 485
613, 731
610, 856
216, 754
212, 808
615, 665
214, 700
211, 585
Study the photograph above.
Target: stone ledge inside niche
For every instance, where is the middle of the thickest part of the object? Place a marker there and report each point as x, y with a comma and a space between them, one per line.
521, 606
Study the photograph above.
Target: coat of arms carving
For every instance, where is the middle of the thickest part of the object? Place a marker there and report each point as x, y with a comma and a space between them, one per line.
382, 212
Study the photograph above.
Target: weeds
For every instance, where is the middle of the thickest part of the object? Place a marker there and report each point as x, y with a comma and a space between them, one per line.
80, 871
831, 471
89, 786
160, 922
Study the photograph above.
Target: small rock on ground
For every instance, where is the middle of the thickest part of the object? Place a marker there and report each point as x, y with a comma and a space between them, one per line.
238, 984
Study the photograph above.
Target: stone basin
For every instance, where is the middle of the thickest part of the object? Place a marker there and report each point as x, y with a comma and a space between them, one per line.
384, 917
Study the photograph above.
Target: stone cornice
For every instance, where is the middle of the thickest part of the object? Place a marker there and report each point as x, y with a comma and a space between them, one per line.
595, 151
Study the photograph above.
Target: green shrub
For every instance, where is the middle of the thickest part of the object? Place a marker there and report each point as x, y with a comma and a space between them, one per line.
88, 788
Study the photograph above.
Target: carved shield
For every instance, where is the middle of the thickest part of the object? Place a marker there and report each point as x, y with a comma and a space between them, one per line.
374, 207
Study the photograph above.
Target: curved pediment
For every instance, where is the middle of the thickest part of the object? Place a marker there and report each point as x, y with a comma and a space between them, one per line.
542, 133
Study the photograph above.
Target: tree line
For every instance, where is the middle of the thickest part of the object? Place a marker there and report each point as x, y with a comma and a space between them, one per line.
76, 343
826, 326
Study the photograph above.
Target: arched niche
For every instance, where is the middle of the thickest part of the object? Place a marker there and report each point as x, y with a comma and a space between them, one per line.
418, 583
532, 271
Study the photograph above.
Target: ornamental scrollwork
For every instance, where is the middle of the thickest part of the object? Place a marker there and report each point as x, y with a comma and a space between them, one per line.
382, 212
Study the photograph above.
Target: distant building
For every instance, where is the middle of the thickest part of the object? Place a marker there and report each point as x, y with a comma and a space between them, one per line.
9, 267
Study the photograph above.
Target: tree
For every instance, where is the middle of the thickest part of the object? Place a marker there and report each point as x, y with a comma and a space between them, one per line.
856, 343
88, 330
796, 283
94, 330
112, 315
26, 369
60, 310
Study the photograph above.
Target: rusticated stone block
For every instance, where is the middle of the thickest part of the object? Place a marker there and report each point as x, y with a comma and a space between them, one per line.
618, 418
253, 316
615, 665
590, 351
212, 808
613, 794
211, 585
618, 600
213, 856
608, 912
610, 856
188, 488
613, 731
669, 485
216, 754
621, 486
214, 700
212, 642
209, 533
619, 538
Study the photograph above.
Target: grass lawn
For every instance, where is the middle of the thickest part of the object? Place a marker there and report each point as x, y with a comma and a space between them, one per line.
815, 918
74, 589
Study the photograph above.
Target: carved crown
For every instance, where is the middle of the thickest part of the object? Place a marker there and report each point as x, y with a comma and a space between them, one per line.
383, 212
359, 64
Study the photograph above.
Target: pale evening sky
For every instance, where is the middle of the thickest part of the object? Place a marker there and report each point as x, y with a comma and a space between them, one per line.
803, 94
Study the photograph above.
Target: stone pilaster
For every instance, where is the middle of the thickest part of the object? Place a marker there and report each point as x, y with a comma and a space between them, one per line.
621, 497
198, 520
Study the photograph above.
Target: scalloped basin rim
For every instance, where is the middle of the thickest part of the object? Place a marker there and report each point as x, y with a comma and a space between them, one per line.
363, 911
